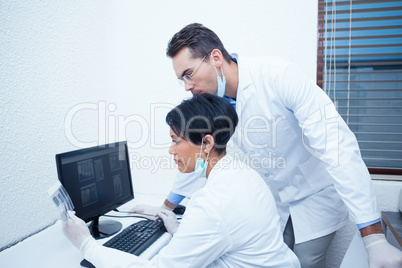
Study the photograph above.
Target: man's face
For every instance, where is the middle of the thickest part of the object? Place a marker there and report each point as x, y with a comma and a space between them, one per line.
204, 77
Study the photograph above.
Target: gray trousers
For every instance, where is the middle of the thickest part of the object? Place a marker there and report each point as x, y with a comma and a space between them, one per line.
312, 253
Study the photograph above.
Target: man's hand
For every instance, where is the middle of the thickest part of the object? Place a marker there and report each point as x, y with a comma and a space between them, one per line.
169, 220
380, 252
75, 230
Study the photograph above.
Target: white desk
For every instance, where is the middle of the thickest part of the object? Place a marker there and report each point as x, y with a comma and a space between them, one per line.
356, 255
50, 248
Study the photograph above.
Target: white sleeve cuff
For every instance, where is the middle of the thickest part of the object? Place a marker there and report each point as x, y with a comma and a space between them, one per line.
104, 257
373, 239
85, 244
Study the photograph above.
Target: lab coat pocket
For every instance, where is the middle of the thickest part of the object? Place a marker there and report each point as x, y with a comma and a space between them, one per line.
309, 177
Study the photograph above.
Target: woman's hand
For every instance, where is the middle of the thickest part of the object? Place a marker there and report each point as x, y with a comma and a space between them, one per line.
75, 229
169, 220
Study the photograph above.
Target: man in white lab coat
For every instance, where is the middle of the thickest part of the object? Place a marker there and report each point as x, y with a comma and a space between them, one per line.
293, 136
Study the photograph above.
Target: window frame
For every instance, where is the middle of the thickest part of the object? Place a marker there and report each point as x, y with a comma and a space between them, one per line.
320, 76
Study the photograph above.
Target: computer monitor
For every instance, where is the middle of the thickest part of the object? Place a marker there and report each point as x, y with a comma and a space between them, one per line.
98, 180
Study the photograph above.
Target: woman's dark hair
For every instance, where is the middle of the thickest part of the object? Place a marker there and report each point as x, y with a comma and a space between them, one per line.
199, 39
201, 115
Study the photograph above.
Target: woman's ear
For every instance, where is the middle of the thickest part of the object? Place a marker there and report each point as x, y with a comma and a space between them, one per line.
209, 143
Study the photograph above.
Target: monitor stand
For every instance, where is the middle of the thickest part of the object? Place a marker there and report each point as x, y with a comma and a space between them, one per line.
104, 229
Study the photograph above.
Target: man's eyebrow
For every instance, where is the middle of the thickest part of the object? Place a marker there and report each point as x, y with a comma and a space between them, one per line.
184, 72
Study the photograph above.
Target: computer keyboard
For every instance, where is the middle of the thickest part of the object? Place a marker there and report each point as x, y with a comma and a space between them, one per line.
135, 238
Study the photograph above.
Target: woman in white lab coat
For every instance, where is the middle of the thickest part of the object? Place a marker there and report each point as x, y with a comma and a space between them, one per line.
231, 222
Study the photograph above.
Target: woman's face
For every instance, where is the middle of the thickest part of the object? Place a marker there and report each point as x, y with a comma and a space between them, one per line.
184, 152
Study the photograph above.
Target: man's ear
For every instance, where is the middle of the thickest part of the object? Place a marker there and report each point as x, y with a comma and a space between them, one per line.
217, 57
209, 143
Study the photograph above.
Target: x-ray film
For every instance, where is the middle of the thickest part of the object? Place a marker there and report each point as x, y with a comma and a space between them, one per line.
61, 199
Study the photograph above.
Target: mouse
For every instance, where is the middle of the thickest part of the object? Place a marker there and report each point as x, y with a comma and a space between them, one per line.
180, 209
86, 263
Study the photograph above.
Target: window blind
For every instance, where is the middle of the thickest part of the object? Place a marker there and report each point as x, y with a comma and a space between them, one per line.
359, 66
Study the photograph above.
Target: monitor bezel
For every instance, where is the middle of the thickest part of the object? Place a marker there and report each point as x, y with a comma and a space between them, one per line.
93, 215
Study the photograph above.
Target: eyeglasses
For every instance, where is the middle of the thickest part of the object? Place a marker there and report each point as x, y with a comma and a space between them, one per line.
188, 77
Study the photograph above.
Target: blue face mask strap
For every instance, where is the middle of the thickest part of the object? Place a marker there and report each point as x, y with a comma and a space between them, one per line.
206, 160
200, 163
202, 142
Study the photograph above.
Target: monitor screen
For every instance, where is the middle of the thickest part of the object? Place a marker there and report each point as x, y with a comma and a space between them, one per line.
98, 179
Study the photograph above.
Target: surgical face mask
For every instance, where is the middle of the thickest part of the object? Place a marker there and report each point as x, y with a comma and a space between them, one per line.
200, 169
221, 82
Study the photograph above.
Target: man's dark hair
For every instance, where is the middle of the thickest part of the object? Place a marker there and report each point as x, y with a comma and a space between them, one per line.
199, 39
201, 115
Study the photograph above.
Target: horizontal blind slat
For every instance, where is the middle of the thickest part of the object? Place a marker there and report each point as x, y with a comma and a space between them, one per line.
360, 55
361, 37
379, 99
383, 159
361, 19
361, 10
364, 81
385, 27
370, 107
364, 46
379, 150
362, 89
371, 115
361, 2
371, 124
378, 63
391, 142
378, 133
358, 72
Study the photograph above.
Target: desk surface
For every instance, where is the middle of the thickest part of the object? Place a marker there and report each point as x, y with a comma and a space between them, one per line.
393, 221
50, 248
356, 255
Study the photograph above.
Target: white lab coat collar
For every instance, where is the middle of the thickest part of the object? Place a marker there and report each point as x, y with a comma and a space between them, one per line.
243, 75
225, 162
